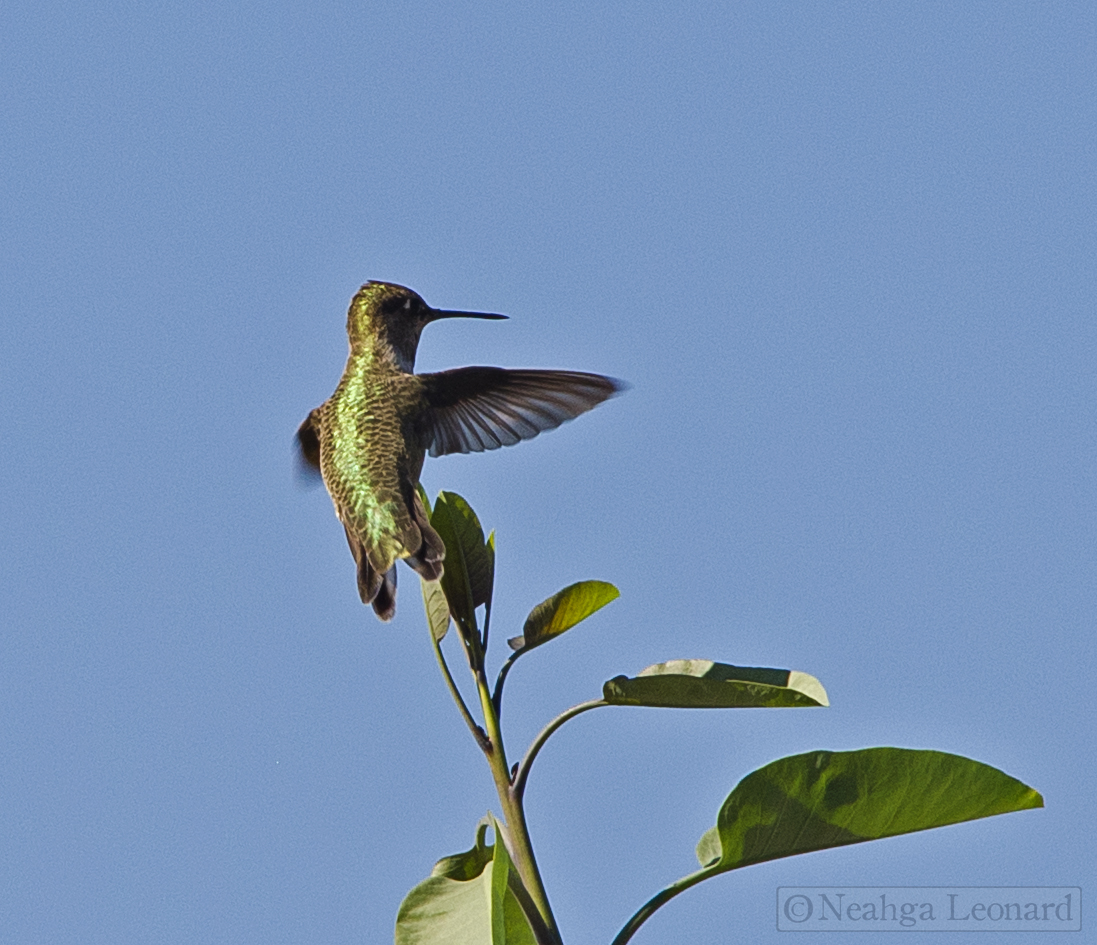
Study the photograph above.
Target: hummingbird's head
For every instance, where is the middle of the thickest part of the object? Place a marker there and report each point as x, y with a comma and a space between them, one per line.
395, 315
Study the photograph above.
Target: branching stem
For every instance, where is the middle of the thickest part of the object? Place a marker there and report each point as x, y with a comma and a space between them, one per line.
521, 848
497, 697
477, 732
487, 625
520, 776
661, 898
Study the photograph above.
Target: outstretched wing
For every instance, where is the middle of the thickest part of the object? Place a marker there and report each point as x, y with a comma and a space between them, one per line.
472, 409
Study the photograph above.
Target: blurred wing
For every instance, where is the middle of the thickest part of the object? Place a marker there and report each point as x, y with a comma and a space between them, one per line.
308, 453
482, 408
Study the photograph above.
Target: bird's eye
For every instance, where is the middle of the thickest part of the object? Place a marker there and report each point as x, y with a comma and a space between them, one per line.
395, 304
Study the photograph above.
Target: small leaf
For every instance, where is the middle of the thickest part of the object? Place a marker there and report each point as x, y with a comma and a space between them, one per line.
703, 684
466, 899
470, 562
708, 847
826, 799
471, 863
489, 549
563, 611
437, 608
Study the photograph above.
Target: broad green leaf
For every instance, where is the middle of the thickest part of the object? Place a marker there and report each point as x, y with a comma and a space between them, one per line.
826, 799
563, 611
437, 608
470, 561
466, 899
703, 684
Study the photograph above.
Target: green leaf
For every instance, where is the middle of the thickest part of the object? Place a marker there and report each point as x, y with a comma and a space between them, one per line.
470, 561
437, 608
489, 549
471, 863
509, 925
563, 611
466, 899
826, 799
703, 684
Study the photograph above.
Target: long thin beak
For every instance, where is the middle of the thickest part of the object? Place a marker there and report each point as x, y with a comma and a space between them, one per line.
438, 313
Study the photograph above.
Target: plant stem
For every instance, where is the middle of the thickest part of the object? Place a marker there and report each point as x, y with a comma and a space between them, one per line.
497, 698
477, 732
541, 933
521, 848
520, 776
661, 898
487, 625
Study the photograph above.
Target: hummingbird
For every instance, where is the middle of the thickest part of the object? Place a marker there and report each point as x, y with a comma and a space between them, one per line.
369, 439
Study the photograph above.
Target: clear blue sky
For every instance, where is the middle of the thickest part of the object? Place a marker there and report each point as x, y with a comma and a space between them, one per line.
845, 254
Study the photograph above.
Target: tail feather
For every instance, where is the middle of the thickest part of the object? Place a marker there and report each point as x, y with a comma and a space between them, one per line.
384, 603
377, 586
369, 579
